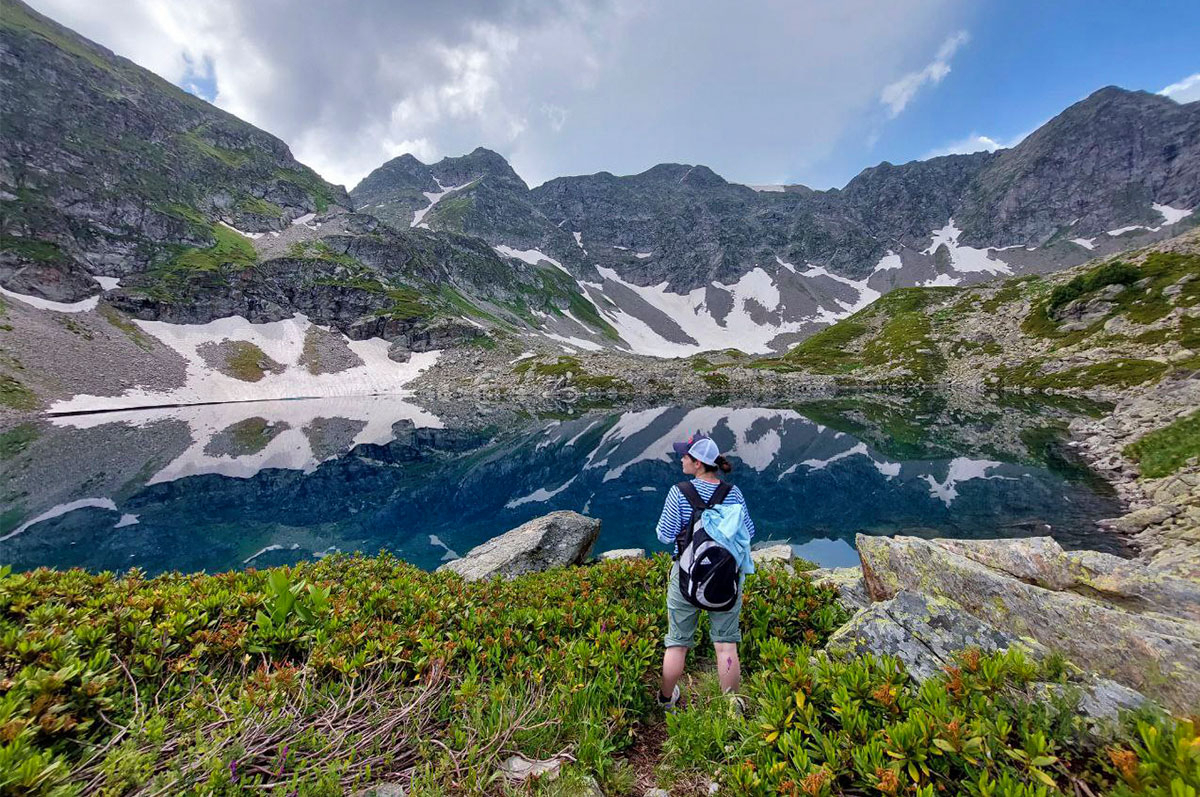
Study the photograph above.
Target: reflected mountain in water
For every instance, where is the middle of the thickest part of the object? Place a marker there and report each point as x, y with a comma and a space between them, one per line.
257, 484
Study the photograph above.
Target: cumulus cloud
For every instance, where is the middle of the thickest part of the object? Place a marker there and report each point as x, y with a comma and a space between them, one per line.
1186, 90
897, 95
558, 87
978, 143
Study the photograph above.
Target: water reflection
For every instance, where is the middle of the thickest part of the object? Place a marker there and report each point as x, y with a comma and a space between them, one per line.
258, 484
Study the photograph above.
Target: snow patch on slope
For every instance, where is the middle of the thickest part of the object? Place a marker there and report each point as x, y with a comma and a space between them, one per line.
965, 258
434, 197
81, 306
530, 256
283, 342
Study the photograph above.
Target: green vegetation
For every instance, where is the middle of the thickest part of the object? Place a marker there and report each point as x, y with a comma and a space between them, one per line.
826, 351
247, 362
230, 157
320, 191
123, 323
1143, 300
1121, 372
718, 383
251, 435
320, 678
319, 250
450, 213
571, 366
15, 395
823, 727
1166, 450
260, 206
894, 332
30, 249
170, 280
15, 17
325, 677
15, 440
1010, 291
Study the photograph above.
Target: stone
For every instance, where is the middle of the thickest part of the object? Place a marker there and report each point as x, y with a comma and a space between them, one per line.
657, 793
1098, 701
924, 632
848, 581
1133, 522
1110, 634
519, 769
623, 553
399, 352
383, 789
554, 540
773, 554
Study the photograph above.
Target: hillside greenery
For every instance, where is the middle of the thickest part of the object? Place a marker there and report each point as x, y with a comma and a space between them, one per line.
327, 676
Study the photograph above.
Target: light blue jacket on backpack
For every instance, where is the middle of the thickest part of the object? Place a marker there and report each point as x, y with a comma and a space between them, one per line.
727, 525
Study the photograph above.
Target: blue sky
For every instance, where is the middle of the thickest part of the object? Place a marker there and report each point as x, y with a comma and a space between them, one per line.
1024, 63
762, 91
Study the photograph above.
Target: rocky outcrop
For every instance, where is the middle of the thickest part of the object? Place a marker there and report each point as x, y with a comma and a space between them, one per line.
553, 540
1122, 619
923, 631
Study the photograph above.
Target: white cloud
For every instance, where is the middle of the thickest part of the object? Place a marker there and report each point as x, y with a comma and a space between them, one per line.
898, 94
979, 143
1186, 90
635, 83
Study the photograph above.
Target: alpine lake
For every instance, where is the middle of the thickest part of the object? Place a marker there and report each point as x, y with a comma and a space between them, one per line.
258, 484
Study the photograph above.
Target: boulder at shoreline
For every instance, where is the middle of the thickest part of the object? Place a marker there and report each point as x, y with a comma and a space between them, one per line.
554, 540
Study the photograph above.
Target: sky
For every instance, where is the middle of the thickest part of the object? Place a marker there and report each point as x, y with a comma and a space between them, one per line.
761, 91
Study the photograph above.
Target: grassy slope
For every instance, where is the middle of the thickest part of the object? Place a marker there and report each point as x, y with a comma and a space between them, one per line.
317, 679
915, 335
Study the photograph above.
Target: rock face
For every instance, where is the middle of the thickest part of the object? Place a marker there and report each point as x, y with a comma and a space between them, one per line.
553, 540
1119, 618
105, 168
922, 631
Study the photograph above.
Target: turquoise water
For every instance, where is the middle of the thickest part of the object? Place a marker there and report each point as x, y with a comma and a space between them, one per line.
260, 484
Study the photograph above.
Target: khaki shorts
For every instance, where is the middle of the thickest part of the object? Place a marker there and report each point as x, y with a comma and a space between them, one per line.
683, 617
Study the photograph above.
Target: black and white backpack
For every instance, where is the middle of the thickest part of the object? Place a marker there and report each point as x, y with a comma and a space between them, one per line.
708, 573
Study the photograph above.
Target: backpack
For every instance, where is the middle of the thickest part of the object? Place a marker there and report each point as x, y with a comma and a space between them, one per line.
708, 572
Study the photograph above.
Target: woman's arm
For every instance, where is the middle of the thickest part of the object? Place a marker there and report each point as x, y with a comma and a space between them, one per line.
670, 522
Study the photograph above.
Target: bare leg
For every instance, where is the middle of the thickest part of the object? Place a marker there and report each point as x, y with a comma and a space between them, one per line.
729, 668
673, 660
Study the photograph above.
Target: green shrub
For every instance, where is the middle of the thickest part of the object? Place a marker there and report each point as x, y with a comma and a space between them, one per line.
1165, 450
321, 676
820, 727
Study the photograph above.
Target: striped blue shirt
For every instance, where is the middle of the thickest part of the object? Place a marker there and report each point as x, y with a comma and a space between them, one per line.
677, 512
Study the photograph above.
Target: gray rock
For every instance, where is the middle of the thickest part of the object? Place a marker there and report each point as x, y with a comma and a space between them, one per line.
848, 581
384, 789
520, 769
923, 632
553, 540
1151, 651
623, 553
781, 554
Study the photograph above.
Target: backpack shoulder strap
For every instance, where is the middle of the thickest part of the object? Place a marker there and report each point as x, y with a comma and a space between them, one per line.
719, 495
692, 495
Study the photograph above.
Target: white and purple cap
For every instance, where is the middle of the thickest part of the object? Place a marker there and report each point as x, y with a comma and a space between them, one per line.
700, 447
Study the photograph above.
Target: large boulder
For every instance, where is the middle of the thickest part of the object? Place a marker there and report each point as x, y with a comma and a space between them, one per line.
1118, 618
924, 632
553, 540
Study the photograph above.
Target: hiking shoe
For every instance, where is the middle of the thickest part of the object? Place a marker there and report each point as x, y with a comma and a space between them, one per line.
737, 706
669, 705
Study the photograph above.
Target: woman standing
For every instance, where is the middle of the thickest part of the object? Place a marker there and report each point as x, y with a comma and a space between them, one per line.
701, 460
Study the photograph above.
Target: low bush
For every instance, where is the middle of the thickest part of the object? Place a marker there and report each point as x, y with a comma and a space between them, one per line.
817, 726
315, 679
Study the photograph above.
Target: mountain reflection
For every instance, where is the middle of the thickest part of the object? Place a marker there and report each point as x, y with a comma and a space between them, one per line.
258, 484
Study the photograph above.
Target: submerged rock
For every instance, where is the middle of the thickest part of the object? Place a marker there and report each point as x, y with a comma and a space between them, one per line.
1119, 618
553, 540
